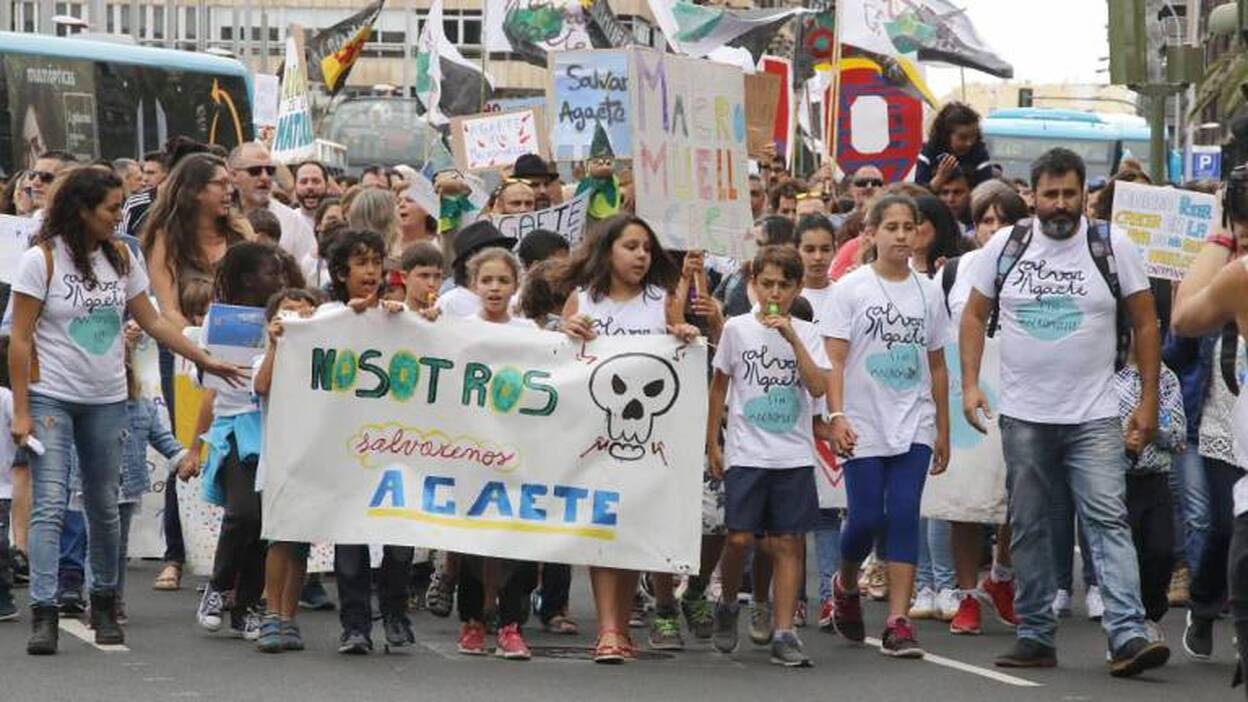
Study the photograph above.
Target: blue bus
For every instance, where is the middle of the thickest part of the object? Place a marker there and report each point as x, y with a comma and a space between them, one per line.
1016, 136
106, 100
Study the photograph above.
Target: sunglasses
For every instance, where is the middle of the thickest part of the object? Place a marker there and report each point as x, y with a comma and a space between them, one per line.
44, 176
869, 182
816, 195
255, 171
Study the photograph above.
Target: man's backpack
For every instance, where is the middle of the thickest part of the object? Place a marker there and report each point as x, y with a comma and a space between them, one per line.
1102, 255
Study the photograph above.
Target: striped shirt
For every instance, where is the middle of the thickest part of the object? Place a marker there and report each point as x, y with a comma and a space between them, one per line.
134, 212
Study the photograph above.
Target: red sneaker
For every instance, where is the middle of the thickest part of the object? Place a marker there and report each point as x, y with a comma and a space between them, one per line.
511, 644
472, 639
825, 616
1002, 596
966, 621
847, 612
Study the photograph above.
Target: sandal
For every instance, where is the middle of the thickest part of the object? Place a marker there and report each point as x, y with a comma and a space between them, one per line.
169, 579
613, 646
561, 625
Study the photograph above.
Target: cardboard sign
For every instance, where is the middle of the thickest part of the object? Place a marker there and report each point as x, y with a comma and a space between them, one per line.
762, 93
690, 163
786, 114
566, 219
264, 108
494, 140
236, 334
589, 88
1168, 225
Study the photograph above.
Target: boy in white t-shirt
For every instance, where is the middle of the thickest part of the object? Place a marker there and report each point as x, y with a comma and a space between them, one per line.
775, 367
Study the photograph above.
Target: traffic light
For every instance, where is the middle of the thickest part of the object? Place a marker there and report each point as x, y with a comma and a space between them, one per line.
1128, 41
1026, 97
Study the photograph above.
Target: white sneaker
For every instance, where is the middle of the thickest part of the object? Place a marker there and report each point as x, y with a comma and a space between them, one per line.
1061, 603
924, 605
1094, 603
947, 603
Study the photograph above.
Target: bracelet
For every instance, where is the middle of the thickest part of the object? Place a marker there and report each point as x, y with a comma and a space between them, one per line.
1222, 240
832, 417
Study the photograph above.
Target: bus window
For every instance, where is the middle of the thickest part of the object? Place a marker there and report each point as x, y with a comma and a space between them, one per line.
52, 104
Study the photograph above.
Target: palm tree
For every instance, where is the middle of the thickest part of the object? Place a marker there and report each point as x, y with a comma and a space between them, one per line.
1223, 85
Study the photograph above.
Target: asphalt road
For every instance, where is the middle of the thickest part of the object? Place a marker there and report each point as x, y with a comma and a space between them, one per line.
167, 657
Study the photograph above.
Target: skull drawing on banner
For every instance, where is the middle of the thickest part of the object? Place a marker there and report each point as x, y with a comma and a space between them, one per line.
632, 389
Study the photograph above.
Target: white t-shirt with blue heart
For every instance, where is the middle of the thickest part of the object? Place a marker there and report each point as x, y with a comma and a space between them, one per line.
78, 337
890, 326
1058, 325
770, 409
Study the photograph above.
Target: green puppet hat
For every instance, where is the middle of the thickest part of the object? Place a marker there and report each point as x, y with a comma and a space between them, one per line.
601, 147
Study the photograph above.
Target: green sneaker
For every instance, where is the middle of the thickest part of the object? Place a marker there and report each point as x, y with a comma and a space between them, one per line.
699, 616
665, 631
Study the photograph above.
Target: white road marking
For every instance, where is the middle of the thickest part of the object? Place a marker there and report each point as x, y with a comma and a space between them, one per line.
968, 668
76, 629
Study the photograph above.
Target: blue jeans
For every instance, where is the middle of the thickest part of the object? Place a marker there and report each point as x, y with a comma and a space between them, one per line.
126, 512
1046, 464
827, 549
70, 570
935, 569
1191, 494
97, 431
1065, 529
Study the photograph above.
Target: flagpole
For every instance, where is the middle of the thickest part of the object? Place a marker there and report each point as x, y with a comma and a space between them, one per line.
834, 96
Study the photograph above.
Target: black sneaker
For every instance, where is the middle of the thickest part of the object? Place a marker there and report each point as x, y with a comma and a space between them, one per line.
314, 597
70, 602
21, 568
1028, 653
1198, 637
847, 612
1138, 655
899, 640
8, 610
398, 631
355, 643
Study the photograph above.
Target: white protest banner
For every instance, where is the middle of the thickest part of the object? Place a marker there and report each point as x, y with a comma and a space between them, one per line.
689, 152
588, 88
972, 489
264, 107
15, 236
293, 141
1169, 225
494, 140
566, 219
489, 440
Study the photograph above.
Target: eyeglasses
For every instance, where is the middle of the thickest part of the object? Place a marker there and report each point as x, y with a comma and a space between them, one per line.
255, 171
45, 176
868, 182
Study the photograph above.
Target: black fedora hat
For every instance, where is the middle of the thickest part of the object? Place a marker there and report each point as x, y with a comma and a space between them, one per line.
533, 167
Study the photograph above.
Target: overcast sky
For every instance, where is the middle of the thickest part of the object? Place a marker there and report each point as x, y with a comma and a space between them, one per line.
1047, 41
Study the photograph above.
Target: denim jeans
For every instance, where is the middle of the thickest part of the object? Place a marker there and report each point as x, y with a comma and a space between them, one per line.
1065, 530
6, 553
935, 569
71, 571
126, 511
827, 549
96, 432
1046, 463
1191, 503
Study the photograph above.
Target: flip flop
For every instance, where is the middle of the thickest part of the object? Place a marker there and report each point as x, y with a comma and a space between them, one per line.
169, 579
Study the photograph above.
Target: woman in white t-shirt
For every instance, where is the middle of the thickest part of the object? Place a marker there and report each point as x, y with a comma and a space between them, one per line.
889, 414
71, 293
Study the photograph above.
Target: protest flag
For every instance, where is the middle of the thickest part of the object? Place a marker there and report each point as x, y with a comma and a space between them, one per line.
333, 52
697, 30
929, 30
446, 82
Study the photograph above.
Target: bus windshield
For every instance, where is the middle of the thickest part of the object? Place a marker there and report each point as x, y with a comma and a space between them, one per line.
386, 132
103, 100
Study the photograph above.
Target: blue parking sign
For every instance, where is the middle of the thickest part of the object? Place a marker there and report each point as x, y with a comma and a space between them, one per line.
1205, 162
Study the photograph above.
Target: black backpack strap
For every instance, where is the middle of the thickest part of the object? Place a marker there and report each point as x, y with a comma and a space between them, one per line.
948, 275
1020, 239
1226, 359
1102, 251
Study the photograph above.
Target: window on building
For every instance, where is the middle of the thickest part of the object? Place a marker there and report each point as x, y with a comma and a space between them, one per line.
158, 23
191, 27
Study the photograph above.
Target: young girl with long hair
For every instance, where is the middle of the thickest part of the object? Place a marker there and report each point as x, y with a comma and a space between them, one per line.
625, 285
